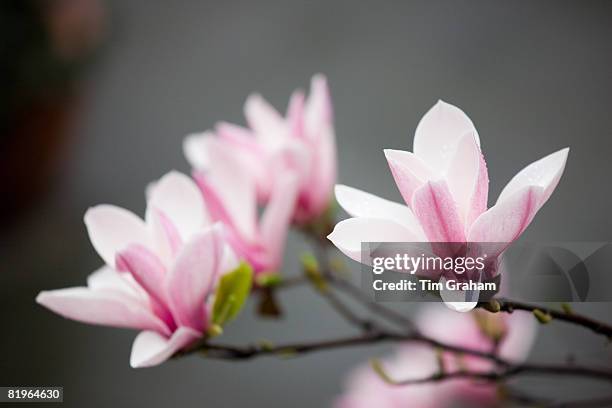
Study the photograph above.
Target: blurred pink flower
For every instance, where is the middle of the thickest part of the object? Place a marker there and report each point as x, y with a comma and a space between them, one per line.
231, 198
472, 330
444, 184
302, 142
159, 273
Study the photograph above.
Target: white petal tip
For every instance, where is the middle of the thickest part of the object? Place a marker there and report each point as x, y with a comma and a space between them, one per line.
461, 307
319, 80
173, 177
40, 298
254, 98
136, 363
340, 188
393, 154
92, 212
443, 104
139, 364
333, 235
89, 213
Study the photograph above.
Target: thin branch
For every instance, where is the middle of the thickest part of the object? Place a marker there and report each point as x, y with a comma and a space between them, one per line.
229, 352
589, 403
374, 336
291, 282
356, 294
346, 312
508, 370
321, 246
376, 308
513, 370
507, 305
511, 394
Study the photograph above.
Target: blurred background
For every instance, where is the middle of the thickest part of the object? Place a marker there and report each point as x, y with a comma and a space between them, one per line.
97, 96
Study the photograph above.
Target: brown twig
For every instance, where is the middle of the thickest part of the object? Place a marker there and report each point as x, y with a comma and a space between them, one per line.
507, 305
321, 246
374, 336
504, 370
588, 403
516, 369
344, 311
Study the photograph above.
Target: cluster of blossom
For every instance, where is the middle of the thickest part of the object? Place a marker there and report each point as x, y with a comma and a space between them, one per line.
168, 275
163, 274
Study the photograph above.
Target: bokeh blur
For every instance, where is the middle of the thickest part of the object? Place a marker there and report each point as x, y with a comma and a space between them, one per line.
96, 97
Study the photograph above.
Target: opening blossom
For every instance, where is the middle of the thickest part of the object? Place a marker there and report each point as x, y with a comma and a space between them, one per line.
478, 330
231, 198
302, 142
444, 184
160, 273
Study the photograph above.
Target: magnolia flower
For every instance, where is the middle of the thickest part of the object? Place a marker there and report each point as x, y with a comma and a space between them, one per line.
302, 142
444, 184
477, 330
159, 274
230, 195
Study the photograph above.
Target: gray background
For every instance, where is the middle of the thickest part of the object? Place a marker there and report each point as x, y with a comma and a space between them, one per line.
533, 76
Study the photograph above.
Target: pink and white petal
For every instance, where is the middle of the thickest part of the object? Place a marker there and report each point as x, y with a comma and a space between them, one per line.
438, 133
295, 156
192, 277
506, 221
521, 333
358, 203
269, 126
365, 388
230, 189
438, 322
458, 300
166, 237
238, 135
295, 114
229, 260
276, 218
324, 168
318, 110
461, 307
436, 210
348, 235
146, 268
251, 155
179, 199
151, 348
468, 179
215, 204
194, 148
107, 278
320, 132
544, 173
103, 307
409, 172
112, 228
